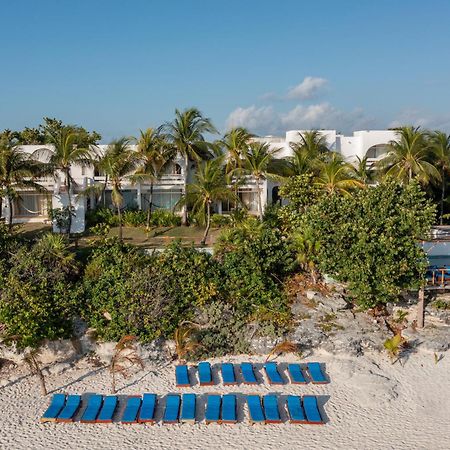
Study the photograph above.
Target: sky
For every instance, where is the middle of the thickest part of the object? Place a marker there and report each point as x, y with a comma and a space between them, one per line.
118, 66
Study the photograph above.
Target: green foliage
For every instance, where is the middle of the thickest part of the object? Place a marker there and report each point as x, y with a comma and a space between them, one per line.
36, 296
61, 217
370, 240
164, 218
219, 220
101, 215
301, 193
134, 218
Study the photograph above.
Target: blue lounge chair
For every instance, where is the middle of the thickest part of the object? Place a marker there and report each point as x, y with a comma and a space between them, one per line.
73, 402
229, 408
182, 376
256, 413
312, 410
131, 410
205, 374
295, 410
172, 409
92, 409
315, 371
55, 407
296, 374
188, 408
248, 374
108, 409
228, 376
212, 413
147, 412
271, 410
272, 373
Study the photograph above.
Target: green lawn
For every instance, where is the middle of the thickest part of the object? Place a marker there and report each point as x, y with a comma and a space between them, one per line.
156, 237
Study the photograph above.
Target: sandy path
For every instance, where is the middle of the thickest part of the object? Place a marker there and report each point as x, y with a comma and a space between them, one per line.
369, 404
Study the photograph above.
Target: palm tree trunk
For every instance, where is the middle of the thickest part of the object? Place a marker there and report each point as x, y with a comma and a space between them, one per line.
150, 205
10, 207
441, 219
421, 308
1, 207
41, 378
208, 223
119, 214
184, 220
260, 213
69, 200
113, 381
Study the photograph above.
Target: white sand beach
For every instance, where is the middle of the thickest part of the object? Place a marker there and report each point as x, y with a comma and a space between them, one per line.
369, 404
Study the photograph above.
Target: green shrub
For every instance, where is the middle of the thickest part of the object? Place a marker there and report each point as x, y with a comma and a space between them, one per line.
370, 240
164, 218
219, 220
37, 298
134, 218
101, 215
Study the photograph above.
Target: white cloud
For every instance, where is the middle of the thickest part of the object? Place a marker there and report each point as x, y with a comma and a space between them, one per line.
309, 88
419, 118
265, 120
262, 119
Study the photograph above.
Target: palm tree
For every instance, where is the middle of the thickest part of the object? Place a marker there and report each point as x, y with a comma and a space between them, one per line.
440, 147
336, 176
65, 154
363, 171
186, 133
258, 163
408, 157
210, 185
17, 171
154, 153
118, 163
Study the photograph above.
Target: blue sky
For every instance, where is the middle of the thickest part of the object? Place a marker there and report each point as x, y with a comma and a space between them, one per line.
117, 66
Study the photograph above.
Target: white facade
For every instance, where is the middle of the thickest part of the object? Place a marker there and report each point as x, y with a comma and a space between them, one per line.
33, 207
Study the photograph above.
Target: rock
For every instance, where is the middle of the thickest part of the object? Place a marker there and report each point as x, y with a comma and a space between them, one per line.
311, 295
105, 351
333, 304
58, 368
54, 351
262, 345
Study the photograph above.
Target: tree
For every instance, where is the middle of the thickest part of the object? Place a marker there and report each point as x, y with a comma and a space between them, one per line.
236, 143
17, 171
118, 163
370, 240
154, 153
336, 176
210, 185
363, 172
440, 147
408, 157
65, 153
259, 164
186, 133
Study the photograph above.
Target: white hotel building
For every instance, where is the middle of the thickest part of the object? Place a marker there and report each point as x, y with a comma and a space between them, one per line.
33, 206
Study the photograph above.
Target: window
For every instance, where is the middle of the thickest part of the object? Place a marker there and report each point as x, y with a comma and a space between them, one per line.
376, 151
30, 205
249, 199
129, 199
162, 199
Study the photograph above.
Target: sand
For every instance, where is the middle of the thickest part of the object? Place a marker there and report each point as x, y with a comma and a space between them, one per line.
369, 404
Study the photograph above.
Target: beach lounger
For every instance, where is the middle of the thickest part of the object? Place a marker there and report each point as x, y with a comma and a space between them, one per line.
188, 408
248, 374
271, 411
92, 409
312, 410
272, 373
228, 375
256, 413
295, 410
212, 413
172, 409
131, 410
315, 371
55, 407
229, 408
108, 409
182, 376
205, 374
73, 402
296, 374
147, 412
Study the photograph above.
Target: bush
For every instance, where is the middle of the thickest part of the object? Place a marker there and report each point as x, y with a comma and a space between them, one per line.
219, 220
164, 218
134, 218
37, 298
371, 240
101, 215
